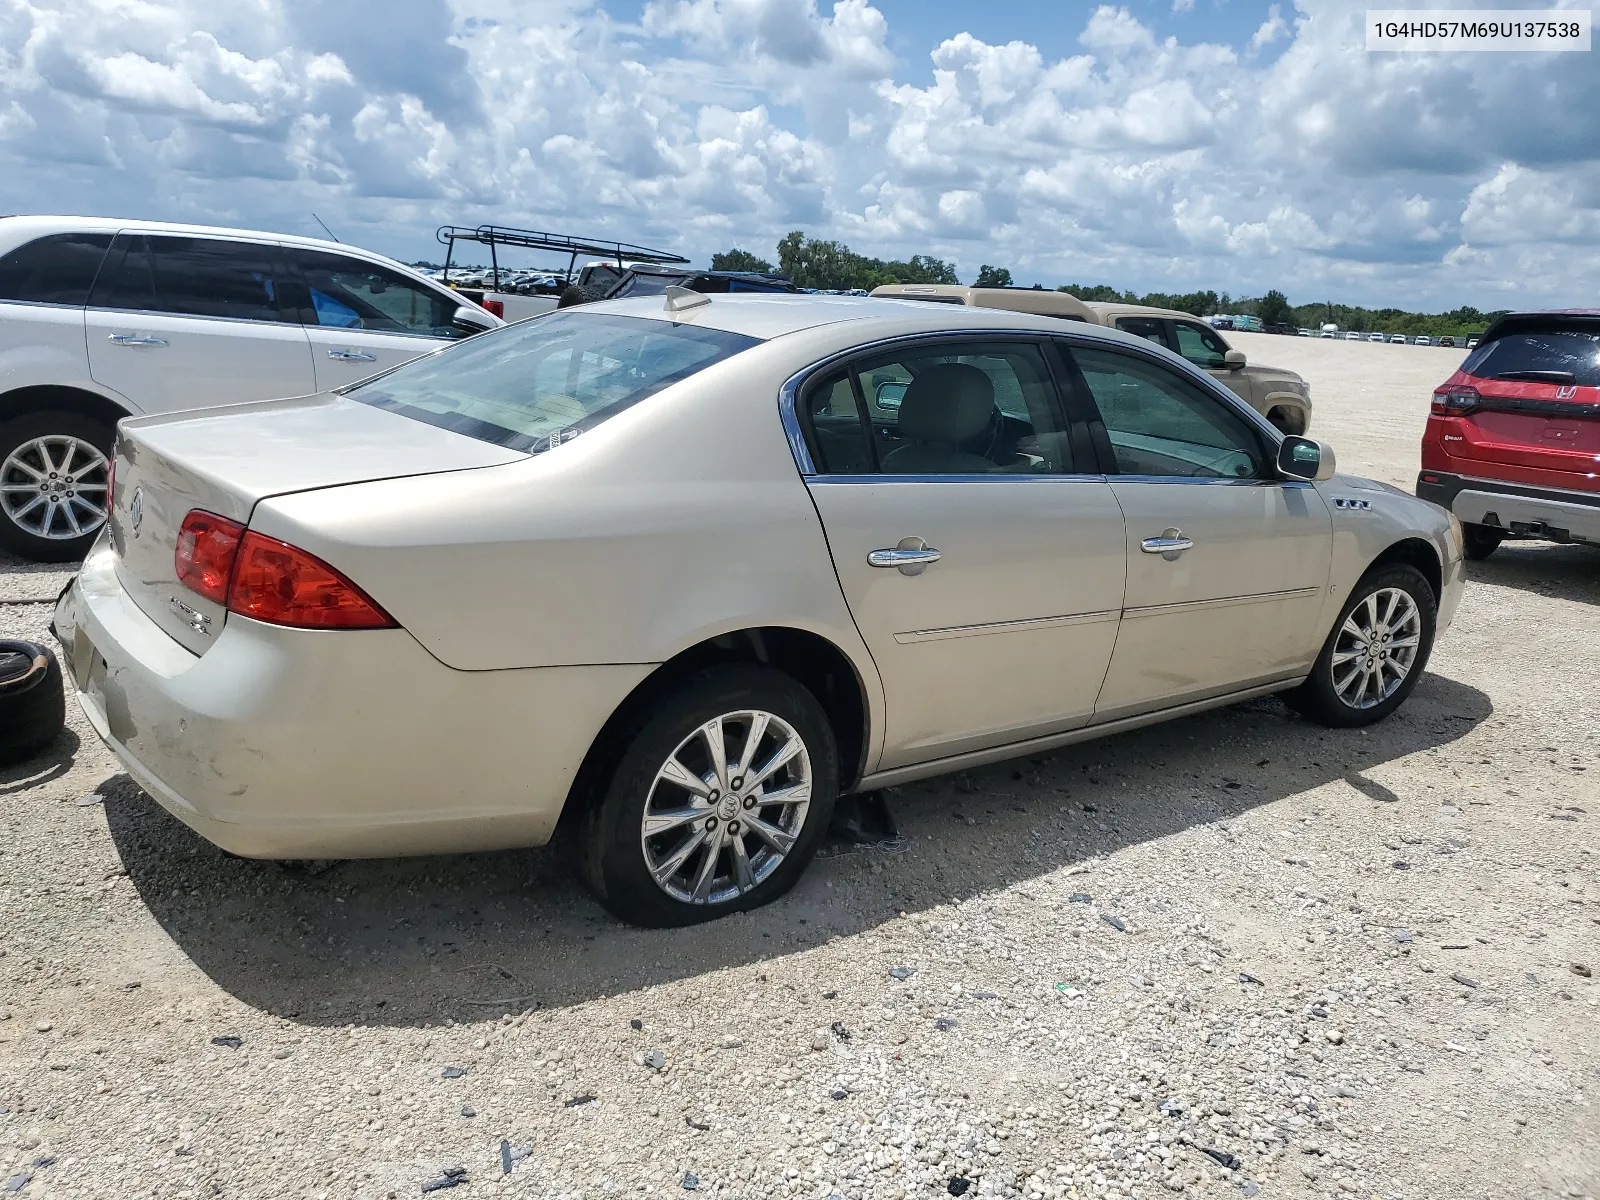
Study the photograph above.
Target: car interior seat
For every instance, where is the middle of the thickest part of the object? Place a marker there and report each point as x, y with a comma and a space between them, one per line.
946, 406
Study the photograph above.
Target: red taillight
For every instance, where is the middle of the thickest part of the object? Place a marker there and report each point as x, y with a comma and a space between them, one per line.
1455, 400
283, 585
497, 307
203, 559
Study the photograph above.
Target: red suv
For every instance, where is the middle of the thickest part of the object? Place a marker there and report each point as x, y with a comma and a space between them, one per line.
1513, 440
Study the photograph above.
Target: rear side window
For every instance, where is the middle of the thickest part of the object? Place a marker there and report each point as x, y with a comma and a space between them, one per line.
58, 269
347, 293
536, 384
1560, 356
194, 277
1200, 345
1152, 329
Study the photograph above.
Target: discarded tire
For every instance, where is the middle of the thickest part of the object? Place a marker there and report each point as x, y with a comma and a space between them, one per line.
32, 704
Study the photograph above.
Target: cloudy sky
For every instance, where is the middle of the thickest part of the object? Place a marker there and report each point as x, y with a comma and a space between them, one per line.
1155, 144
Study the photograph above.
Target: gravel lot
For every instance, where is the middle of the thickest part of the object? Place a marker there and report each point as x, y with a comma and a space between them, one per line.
1232, 955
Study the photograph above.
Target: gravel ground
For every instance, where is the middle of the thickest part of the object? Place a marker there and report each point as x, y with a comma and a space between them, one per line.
1232, 955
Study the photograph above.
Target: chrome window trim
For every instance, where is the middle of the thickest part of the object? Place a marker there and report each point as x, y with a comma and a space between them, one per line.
985, 476
1207, 481
41, 304
183, 316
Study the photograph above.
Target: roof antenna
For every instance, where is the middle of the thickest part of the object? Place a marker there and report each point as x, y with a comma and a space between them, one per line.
325, 229
681, 298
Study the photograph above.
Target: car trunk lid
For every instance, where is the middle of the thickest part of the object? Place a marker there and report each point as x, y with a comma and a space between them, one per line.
225, 460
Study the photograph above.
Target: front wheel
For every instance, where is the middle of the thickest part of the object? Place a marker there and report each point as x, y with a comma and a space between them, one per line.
54, 484
1376, 652
721, 793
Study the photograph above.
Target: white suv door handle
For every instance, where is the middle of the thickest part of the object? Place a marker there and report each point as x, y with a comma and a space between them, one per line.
912, 556
1169, 545
134, 339
352, 356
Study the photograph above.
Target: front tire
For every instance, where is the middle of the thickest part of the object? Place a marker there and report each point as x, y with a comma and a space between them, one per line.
1480, 541
54, 484
1377, 651
720, 796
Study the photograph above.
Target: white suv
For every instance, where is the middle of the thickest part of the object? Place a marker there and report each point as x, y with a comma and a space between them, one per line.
102, 319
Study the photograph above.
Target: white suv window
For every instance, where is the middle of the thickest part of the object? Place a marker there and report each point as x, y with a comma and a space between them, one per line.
194, 277
58, 269
347, 293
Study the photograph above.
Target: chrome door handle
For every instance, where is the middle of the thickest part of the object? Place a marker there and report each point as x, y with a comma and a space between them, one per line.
1169, 545
134, 339
911, 557
352, 356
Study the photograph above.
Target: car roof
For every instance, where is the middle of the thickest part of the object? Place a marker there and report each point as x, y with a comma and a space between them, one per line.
1055, 304
1105, 308
40, 226
1558, 318
774, 315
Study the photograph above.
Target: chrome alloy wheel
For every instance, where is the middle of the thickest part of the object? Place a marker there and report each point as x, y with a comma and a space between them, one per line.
1376, 648
54, 487
726, 807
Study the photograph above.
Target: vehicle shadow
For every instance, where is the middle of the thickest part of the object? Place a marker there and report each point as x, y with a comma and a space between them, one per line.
51, 763
1561, 572
409, 942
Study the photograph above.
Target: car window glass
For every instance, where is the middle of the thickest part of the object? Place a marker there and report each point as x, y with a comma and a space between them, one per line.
838, 435
963, 409
1558, 356
1200, 345
1149, 328
53, 270
541, 382
197, 277
347, 293
1162, 424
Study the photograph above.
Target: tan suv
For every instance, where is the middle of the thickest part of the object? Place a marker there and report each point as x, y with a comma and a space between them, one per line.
1276, 393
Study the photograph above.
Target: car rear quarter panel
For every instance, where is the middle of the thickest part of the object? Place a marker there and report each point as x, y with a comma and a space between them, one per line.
680, 519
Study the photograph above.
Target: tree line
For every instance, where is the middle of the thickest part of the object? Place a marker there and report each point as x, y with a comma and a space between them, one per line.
833, 266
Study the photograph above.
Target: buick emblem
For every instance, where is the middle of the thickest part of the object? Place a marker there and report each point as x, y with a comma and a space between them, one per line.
136, 510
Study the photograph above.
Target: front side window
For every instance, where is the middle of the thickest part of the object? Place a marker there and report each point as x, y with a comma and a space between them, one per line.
536, 384
348, 293
1200, 345
194, 277
58, 269
1161, 424
968, 408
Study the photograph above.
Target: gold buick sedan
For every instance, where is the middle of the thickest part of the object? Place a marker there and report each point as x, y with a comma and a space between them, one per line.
688, 568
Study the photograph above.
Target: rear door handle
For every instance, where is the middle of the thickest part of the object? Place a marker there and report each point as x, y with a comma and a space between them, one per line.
1169, 545
135, 339
912, 556
352, 356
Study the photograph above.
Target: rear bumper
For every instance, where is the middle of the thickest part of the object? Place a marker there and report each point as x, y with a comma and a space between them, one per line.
1553, 513
282, 743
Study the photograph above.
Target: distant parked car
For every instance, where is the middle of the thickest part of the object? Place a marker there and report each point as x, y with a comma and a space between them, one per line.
1472, 343
1375, 337
1397, 339
1308, 333
1328, 333
102, 319
1514, 435
686, 569
1422, 340
1447, 341
1352, 336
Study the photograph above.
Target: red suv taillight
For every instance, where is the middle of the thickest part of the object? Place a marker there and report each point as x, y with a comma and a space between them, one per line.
1455, 400
283, 585
497, 307
203, 559
268, 580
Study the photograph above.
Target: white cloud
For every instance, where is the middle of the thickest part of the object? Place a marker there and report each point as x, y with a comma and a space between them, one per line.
1139, 160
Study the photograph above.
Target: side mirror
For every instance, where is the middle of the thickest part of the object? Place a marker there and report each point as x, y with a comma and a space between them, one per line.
1233, 359
470, 321
1307, 459
888, 395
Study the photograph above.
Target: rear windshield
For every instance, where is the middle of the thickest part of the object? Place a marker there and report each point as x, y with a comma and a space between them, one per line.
1561, 356
538, 383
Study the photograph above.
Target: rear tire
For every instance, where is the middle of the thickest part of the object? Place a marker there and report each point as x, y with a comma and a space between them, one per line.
728, 838
1480, 541
39, 526
32, 701
1356, 680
